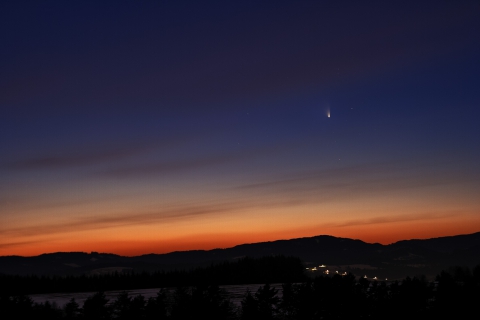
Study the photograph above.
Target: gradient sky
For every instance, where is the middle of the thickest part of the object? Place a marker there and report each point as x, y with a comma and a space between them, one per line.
134, 127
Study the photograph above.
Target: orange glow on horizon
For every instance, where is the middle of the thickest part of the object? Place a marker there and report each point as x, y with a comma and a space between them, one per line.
384, 234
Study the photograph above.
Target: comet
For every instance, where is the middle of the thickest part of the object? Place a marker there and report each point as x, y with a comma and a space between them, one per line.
327, 110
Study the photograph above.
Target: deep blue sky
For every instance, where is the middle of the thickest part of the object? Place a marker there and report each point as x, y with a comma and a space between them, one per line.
122, 120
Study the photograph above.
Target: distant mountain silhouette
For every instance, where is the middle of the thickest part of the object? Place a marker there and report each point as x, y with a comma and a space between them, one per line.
397, 260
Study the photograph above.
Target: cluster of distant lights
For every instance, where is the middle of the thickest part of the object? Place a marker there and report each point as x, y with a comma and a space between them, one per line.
326, 271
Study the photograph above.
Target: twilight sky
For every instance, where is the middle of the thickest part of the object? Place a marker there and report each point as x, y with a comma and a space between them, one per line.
134, 127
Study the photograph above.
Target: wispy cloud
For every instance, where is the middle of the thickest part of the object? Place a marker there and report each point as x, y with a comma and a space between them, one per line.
83, 157
109, 220
175, 166
95, 153
400, 218
18, 244
361, 179
171, 213
187, 164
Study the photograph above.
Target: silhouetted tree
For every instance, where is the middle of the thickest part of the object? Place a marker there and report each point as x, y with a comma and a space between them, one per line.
458, 293
137, 307
47, 310
121, 307
22, 307
95, 307
298, 301
17, 307
156, 308
72, 310
267, 301
182, 304
264, 305
209, 302
249, 308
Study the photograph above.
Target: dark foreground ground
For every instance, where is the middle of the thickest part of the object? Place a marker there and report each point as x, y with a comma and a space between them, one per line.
454, 294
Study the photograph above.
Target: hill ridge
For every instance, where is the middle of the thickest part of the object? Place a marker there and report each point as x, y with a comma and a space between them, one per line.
410, 257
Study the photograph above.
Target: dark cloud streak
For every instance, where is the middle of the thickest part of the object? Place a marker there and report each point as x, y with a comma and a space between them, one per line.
398, 218
360, 179
19, 243
80, 158
115, 220
194, 163
171, 213
93, 154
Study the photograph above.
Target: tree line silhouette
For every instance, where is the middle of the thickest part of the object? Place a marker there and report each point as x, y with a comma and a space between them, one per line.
272, 269
455, 293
